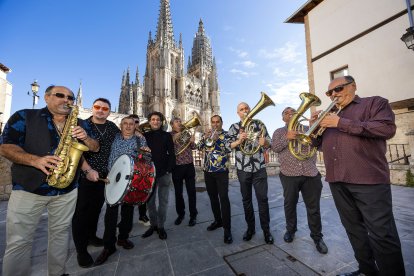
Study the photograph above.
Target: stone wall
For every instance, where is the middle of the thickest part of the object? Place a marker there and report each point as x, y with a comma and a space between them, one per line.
5, 178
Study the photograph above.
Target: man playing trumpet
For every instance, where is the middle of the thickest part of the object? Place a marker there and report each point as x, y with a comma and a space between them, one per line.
251, 172
216, 148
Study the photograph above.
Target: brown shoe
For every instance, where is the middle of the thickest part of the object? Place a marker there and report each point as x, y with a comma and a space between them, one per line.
104, 256
126, 244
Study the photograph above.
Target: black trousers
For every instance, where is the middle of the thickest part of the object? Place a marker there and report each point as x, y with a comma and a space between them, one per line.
311, 189
142, 209
88, 207
217, 184
366, 213
111, 219
185, 173
258, 180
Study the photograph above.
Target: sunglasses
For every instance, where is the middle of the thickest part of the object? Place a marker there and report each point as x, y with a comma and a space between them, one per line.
136, 121
98, 107
337, 89
61, 96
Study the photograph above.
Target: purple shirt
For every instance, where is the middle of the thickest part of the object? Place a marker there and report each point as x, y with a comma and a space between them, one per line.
354, 152
289, 165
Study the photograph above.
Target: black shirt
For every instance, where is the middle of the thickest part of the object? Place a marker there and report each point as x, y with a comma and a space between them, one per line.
162, 150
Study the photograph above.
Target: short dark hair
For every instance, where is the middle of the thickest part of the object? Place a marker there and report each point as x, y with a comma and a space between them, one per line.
349, 78
221, 119
135, 117
103, 100
156, 113
291, 108
49, 89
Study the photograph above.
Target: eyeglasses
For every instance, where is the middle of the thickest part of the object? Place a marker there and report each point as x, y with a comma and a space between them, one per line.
98, 107
337, 89
61, 96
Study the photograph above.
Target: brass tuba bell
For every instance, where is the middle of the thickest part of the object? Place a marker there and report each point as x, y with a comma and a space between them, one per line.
183, 138
297, 147
251, 145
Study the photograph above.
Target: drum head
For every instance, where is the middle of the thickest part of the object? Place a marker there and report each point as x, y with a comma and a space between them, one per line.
119, 178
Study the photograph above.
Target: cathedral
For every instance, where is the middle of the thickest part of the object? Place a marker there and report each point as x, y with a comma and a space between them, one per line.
166, 87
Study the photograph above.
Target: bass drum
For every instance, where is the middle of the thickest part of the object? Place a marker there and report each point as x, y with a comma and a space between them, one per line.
131, 181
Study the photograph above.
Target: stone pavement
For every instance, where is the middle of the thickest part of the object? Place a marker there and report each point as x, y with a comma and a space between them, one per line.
195, 251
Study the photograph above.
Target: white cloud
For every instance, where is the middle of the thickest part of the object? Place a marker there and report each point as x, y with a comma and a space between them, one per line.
247, 64
287, 93
239, 53
287, 53
243, 73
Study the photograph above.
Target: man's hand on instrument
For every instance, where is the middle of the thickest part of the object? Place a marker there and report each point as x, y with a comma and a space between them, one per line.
192, 139
79, 133
314, 116
291, 134
242, 136
46, 163
330, 120
146, 149
92, 175
262, 141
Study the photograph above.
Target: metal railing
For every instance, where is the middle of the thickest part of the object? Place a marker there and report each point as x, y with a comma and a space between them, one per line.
198, 156
398, 154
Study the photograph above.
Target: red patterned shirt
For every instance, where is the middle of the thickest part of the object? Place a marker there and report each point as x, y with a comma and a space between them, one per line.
290, 165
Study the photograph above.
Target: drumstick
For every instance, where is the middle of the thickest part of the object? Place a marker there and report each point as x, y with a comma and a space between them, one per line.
106, 180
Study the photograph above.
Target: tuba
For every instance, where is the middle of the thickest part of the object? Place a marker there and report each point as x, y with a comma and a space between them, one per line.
70, 151
182, 139
314, 130
299, 150
250, 146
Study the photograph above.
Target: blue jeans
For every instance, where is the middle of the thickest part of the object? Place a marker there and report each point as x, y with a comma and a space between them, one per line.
162, 188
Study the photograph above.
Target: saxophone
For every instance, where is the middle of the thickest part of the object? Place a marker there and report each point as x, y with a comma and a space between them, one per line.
70, 151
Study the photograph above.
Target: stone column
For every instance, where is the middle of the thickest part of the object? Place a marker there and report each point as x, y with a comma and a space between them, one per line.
5, 178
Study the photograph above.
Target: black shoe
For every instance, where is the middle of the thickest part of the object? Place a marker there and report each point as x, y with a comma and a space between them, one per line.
268, 237
104, 256
353, 273
214, 226
248, 235
84, 260
162, 234
149, 232
289, 236
322, 248
95, 241
228, 238
178, 220
192, 221
126, 244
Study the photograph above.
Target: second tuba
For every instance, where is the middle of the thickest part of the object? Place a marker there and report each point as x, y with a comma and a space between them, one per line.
183, 137
297, 147
251, 145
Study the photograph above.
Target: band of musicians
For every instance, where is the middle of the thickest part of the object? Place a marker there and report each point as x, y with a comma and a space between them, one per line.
72, 167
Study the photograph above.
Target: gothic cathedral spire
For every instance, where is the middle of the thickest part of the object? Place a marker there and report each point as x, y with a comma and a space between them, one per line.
165, 31
79, 95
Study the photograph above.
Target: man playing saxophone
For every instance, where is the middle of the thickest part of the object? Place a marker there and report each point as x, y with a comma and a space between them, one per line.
251, 172
29, 140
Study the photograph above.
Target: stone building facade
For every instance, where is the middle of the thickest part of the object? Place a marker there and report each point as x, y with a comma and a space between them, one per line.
166, 87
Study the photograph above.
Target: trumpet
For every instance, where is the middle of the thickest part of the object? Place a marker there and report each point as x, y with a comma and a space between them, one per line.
209, 142
306, 138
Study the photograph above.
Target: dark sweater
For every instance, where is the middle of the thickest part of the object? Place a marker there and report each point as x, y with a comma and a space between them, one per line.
162, 151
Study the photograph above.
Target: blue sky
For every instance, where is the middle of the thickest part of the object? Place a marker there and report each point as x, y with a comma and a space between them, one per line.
63, 42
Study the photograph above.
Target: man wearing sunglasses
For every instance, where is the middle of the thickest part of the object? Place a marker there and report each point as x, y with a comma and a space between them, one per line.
354, 148
91, 190
29, 140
